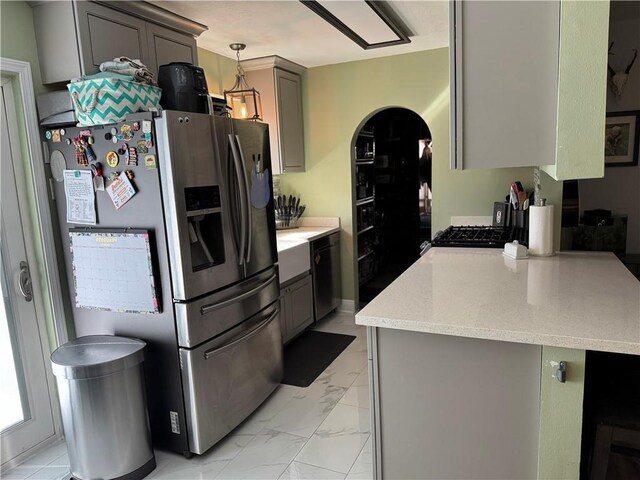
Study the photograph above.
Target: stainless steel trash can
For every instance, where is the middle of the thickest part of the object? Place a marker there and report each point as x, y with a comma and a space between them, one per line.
104, 409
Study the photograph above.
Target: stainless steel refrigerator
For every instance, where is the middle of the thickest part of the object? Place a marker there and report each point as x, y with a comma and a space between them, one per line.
203, 193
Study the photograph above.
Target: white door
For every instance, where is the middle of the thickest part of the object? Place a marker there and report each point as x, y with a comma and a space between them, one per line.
26, 416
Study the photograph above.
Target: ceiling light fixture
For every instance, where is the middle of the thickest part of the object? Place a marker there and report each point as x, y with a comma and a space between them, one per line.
391, 31
244, 101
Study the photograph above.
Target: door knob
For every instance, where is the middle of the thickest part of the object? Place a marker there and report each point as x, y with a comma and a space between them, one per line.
24, 281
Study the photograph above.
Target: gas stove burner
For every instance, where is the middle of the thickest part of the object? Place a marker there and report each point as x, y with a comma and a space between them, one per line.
479, 237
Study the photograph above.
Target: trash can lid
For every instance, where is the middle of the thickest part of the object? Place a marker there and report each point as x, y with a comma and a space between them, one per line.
96, 355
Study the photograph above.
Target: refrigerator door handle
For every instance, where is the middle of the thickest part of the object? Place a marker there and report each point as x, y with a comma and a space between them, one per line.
239, 169
232, 186
215, 306
254, 330
247, 190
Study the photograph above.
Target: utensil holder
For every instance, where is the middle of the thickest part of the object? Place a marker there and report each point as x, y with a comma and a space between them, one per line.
284, 223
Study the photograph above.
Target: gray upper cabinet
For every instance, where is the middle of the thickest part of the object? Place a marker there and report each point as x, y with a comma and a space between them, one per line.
84, 34
280, 86
528, 85
505, 71
105, 34
289, 98
166, 46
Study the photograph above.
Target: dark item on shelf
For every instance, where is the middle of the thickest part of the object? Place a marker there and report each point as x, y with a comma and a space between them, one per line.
597, 217
601, 234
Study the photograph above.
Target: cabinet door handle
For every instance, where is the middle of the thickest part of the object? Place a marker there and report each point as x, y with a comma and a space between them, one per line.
561, 372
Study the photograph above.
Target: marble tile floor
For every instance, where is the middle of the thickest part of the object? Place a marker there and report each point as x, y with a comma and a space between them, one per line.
318, 432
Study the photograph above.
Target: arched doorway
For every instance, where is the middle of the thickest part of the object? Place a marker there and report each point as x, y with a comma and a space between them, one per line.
392, 196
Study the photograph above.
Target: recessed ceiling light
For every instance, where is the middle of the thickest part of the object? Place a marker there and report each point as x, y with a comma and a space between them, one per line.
370, 24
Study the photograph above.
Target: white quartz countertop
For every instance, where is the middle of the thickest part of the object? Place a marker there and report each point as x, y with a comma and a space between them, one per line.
582, 300
308, 234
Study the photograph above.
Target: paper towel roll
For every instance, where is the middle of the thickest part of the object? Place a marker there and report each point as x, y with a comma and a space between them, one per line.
541, 230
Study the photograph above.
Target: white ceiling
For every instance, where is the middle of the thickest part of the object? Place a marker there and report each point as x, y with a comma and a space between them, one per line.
291, 30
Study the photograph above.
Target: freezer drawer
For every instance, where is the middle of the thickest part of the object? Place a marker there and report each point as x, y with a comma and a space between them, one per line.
226, 379
199, 320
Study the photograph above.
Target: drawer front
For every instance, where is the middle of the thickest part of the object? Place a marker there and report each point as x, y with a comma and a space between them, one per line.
207, 317
226, 379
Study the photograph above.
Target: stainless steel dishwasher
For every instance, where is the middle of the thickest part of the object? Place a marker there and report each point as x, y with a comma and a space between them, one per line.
325, 265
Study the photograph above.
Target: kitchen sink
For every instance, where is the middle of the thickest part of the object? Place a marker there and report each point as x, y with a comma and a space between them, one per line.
293, 258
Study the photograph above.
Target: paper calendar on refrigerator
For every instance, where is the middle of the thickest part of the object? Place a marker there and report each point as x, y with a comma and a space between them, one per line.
113, 270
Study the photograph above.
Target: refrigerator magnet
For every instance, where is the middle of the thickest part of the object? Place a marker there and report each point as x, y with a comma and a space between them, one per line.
142, 147
112, 159
146, 126
55, 136
132, 157
98, 183
150, 161
126, 132
120, 190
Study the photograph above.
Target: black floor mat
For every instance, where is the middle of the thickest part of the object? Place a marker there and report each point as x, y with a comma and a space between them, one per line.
306, 357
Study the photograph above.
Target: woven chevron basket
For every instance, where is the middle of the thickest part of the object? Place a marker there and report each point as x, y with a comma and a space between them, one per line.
110, 100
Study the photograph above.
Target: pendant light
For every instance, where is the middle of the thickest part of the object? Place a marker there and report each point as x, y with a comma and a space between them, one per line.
244, 101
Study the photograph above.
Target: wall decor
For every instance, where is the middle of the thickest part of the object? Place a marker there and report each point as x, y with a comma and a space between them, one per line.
622, 133
618, 78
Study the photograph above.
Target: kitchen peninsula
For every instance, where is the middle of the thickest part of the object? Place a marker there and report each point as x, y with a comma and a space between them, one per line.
465, 349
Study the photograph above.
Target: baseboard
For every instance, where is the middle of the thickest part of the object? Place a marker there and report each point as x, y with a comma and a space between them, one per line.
347, 306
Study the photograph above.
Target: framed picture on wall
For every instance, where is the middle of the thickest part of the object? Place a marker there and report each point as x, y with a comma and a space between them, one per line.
622, 133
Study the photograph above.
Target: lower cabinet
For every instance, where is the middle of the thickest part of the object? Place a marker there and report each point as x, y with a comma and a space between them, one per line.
296, 304
453, 407
473, 408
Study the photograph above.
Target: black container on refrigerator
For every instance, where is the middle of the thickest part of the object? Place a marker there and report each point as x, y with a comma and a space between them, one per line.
210, 219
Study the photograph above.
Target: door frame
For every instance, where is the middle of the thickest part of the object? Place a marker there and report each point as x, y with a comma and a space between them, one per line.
21, 80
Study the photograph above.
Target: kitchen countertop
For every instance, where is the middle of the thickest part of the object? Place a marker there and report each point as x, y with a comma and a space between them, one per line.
306, 233
581, 300
311, 228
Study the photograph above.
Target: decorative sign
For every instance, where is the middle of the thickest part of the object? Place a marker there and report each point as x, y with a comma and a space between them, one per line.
120, 190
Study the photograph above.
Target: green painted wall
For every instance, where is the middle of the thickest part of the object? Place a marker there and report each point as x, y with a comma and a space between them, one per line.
18, 38
220, 71
337, 99
561, 415
18, 42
